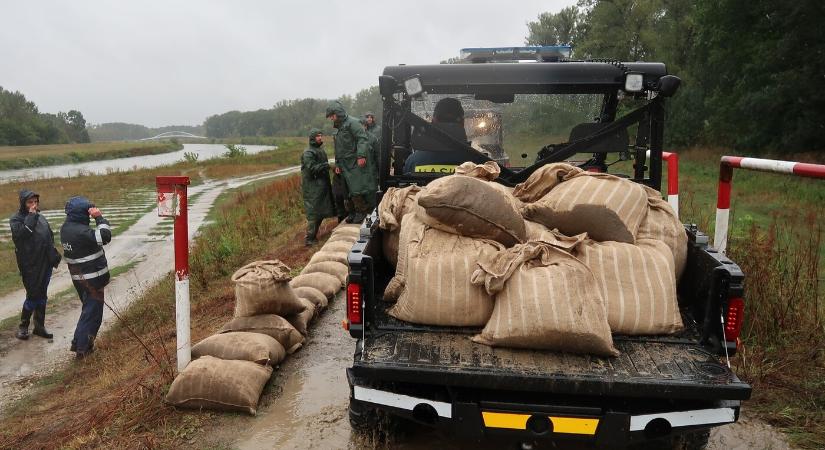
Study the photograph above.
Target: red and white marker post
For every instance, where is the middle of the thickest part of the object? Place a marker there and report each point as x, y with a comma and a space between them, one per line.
728, 163
172, 202
672, 160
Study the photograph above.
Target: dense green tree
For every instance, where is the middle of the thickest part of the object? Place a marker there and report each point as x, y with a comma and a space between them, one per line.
22, 124
555, 29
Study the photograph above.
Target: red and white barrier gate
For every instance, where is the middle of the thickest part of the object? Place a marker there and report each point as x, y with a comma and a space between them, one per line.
172, 202
720, 238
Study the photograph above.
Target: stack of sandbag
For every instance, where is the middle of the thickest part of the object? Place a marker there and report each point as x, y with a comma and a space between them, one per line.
636, 245
230, 368
394, 205
456, 219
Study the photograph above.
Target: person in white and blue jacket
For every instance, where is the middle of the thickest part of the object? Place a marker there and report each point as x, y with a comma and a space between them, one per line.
83, 251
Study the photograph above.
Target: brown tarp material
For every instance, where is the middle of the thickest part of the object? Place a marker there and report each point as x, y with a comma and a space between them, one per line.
269, 324
436, 279
337, 247
336, 269
395, 204
262, 287
322, 256
662, 225
314, 295
471, 207
324, 282
606, 207
301, 320
545, 298
255, 347
488, 171
637, 284
223, 385
540, 182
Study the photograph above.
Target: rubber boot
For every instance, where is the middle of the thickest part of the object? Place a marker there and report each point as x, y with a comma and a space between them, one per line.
23, 331
40, 323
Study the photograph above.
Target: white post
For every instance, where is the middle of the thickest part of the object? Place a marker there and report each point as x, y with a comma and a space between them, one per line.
184, 343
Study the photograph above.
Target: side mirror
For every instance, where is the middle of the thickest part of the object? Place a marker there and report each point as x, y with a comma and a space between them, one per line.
387, 85
668, 85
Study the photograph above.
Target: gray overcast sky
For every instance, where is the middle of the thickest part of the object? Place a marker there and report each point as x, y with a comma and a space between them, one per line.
177, 62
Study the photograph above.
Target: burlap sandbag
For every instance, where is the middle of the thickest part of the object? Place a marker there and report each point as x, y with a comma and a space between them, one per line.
437, 288
545, 299
242, 345
337, 247
473, 208
637, 284
661, 224
329, 256
606, 207
301, 320
349, 229
411, 226
488, 171
223, 385
545, 178
340, 271
324, 282
395, 203
314, 295
269, 324
342, 237
262, 287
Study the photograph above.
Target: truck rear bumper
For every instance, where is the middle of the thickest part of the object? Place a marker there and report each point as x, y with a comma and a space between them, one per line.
479, 419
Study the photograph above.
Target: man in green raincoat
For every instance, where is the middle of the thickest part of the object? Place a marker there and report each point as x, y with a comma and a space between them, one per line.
315, 185
373, 127
352, 146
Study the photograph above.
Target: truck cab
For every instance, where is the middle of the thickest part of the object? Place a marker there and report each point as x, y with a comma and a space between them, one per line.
661, 392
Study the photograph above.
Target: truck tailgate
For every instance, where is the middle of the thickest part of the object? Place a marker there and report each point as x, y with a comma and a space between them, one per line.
664, 368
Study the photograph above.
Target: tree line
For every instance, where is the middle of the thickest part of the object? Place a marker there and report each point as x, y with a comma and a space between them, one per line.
289, 117
752, 70
22, 124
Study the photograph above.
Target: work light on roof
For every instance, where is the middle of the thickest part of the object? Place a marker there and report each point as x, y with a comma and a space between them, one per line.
634, 82
413, 86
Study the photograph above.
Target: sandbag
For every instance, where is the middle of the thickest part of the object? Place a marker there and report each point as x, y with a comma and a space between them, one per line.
301, 320
545, 299
342, 237
661, 224
348, 229
488, 171
637, 284
473, 208
324, 282
606, 207
223, 385
242, 345
437, 272
337, 247
269, 324
395, 203
262, 287
340, 271
328, 256
411, 226
545, 178
314, 295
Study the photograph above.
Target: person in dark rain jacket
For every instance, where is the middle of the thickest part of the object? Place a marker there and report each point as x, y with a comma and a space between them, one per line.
83, 250
351, 160
315, 185
36, 257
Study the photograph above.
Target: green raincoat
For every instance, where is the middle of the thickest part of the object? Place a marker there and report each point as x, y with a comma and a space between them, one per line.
352, 142
315, 182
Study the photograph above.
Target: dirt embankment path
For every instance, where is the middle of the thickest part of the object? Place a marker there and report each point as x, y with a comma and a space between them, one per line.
306, 408
22, 362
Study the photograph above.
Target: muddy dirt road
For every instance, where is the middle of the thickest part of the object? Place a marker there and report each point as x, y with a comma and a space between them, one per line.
306, 408
150, 256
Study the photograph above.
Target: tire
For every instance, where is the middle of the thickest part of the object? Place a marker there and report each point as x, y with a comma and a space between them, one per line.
361, 417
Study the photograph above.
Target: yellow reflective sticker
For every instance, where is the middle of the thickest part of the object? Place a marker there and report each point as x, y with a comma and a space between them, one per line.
567, 425
436, 168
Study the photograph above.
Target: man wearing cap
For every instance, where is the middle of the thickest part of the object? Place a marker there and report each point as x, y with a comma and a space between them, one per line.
36, 257
88, 267
351, 160
316, 186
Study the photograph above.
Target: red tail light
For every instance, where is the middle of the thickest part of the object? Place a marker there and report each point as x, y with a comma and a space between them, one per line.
734, 318
354, 312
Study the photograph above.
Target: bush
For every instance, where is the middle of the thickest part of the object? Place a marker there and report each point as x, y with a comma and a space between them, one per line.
234, 151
